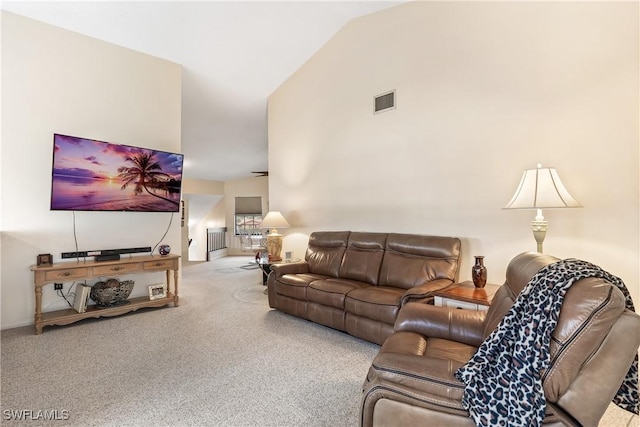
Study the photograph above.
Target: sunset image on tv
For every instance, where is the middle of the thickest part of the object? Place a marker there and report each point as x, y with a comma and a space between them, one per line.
91, 175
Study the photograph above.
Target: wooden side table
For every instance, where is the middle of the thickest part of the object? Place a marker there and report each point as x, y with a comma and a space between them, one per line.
466, 295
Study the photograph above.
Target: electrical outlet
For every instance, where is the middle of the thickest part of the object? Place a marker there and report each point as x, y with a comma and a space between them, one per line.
57, 286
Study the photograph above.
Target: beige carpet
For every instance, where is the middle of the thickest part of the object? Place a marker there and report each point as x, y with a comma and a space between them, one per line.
222, 358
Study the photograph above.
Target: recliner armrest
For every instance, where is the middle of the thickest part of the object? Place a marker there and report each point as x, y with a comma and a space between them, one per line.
300, 267
425, 291
465, 326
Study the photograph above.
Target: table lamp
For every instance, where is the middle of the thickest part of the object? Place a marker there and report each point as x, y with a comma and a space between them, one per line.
274, 220
539, 189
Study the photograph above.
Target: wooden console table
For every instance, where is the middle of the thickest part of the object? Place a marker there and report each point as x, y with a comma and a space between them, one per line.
81, 270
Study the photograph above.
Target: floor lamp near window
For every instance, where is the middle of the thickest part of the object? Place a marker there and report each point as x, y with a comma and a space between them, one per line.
274, 220
539, 189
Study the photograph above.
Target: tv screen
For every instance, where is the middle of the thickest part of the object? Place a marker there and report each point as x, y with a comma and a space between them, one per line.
91, 175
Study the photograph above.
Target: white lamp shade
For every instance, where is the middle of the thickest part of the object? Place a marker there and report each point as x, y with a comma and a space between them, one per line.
541, 188
274, 219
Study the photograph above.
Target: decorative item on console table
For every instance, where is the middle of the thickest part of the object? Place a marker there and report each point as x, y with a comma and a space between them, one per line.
157, 291
81, 297
111, 293
479, 272
44, 259
164, 250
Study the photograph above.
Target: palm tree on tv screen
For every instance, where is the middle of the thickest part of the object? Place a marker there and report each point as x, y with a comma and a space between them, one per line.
146, 173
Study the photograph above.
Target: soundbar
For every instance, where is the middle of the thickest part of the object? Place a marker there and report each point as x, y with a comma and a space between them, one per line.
102, 252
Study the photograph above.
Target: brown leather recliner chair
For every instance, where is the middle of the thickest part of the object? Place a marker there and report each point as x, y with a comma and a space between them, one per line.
411, 381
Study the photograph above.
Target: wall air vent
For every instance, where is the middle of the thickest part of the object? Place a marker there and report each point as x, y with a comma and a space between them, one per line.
384, 102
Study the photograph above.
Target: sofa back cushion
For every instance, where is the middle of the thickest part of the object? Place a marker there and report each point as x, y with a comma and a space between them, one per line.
325, 251
363, 257
519, 272
410, 260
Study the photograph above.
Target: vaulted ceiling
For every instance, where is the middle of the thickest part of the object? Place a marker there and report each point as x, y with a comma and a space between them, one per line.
234, 54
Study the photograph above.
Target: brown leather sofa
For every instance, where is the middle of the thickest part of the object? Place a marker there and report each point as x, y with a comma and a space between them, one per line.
356, 282
411, 381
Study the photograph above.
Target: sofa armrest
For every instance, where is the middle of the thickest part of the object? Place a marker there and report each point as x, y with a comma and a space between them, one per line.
465, 326
280, 270
424, 292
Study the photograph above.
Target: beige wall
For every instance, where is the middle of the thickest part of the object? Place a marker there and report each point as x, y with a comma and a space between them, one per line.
55, 80
485, 90
202, 186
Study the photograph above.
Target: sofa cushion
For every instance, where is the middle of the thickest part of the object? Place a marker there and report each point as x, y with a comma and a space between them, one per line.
363, 257
375, 302
295, 285
410, 260
326, 315
325, 251
423, 364
412, 343
373, 331
332, 292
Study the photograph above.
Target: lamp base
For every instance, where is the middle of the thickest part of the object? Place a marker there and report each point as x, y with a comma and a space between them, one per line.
539, 229
274, 246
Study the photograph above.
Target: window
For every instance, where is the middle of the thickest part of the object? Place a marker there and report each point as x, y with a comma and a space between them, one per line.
247, 222
248, 213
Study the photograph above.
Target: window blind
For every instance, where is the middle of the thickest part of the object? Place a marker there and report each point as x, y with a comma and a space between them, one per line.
249, 205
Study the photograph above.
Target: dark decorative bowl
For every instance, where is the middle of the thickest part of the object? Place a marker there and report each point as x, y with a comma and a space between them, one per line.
111, 293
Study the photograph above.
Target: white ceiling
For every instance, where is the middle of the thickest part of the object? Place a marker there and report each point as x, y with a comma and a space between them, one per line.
234, 54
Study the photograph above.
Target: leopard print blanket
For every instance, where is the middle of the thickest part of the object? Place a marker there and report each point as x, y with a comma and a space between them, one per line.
502, 380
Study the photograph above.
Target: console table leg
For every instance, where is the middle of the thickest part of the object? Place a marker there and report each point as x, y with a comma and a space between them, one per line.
38, 314
176, 298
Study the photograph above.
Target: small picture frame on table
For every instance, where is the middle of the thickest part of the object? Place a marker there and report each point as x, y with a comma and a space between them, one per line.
157, 291
44, 260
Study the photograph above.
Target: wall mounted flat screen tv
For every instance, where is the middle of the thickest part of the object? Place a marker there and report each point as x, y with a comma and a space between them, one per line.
91, 175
